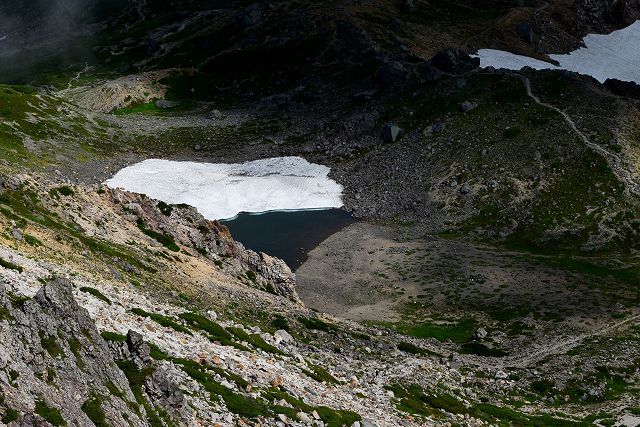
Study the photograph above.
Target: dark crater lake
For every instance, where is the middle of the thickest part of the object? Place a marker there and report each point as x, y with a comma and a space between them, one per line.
288, 235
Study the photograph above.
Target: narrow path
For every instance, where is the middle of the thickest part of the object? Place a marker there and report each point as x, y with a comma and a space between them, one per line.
563, 346
615, 162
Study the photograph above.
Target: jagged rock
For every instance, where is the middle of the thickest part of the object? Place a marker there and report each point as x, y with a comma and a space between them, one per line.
167, 393
390, 133
455, 61
465, 189
51, 333
276, 274
139, 350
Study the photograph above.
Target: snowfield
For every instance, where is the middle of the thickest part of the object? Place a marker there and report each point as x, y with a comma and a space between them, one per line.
606, 56
221, 191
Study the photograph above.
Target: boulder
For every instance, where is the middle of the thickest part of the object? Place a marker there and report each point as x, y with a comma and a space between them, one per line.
390, 133
481, 333
622, 88
468, 106
455, 61
428, 71
17, 234
283, 335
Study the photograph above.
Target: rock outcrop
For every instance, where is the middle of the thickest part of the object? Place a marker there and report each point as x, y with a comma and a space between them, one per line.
53, 361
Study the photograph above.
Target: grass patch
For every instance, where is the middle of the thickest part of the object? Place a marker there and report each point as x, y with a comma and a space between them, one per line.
165, 321
279, 322
408, 347
255, 340
320, 374
480, 349
61, 191
96, 293
93, 408
235, 402
414, 400
50, 344
164, 239
51, 415
113, 336
164, 208
459, 332
9, 415
11, 266
316, 324
215, 331
31, 240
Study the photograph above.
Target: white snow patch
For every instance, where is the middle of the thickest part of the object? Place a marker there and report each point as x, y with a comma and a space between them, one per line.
221, 191
606, 56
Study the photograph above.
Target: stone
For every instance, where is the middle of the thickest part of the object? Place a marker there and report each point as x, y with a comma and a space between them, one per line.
481, 333
465, 189
455, 362
455, 61
438, 127
303, 417
212, 315
164, 104
461, 83
368, 422
390, 133
17, 234
468, 106
215, 115
501, 375
283, 335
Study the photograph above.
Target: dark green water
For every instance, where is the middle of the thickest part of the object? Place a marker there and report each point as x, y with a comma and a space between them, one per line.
287, 235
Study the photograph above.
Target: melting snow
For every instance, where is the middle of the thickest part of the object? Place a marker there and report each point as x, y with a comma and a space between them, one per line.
606, 56
221, 191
